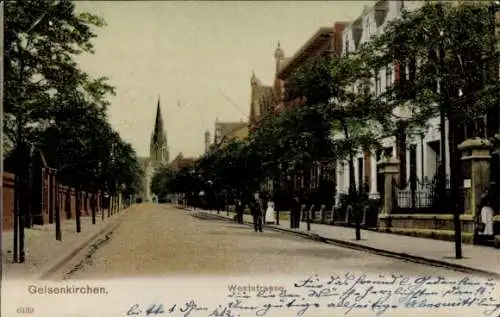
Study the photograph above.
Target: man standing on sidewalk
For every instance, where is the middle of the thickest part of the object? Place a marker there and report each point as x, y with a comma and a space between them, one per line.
256, 210
295, 213
239, 210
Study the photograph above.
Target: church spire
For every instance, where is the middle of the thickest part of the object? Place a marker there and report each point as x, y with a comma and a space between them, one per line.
159, 129
159, 146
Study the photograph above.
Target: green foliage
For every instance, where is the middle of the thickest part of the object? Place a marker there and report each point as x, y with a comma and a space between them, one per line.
161, 181
234, 167
463, 35
50, 103
186, 180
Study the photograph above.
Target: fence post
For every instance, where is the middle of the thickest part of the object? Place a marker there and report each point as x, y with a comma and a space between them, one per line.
366, 209
308, 217
322, 213
332, 214
302, 213
476, 156
390, 168
348, 214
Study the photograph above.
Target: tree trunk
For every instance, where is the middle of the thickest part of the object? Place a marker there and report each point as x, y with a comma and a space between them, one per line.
455, 186
352, 196
401, 144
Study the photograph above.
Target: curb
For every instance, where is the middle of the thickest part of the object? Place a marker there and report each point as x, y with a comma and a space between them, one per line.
61, 261
397, 255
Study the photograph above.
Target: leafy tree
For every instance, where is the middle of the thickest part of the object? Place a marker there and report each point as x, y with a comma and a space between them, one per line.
41, 40
52, 104
161, 180
338, 87
231, 170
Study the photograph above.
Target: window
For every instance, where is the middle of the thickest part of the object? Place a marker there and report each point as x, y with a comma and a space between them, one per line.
388, 151
388, 76
413, 165
378, 84
360, 174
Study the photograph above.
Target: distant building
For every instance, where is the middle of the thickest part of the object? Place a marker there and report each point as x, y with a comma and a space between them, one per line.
208, 141
226, 131
266, 100
180, 162
158, 154
269, 100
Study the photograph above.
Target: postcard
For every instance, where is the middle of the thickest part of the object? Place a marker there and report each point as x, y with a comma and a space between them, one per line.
250, 158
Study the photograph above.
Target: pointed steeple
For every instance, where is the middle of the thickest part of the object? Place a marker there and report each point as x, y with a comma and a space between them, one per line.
159, 130
159, 148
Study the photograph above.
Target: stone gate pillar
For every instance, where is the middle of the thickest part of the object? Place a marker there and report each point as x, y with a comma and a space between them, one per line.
389, 167
476, 160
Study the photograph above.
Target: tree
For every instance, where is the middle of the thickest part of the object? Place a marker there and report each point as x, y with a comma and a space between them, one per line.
448, 68
231, 170
52, 104
161, 180
41, 40
339, 88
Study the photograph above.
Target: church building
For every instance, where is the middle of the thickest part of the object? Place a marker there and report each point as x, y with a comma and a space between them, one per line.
158, 154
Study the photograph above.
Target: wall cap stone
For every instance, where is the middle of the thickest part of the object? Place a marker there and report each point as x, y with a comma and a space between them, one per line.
388, 161
476, 143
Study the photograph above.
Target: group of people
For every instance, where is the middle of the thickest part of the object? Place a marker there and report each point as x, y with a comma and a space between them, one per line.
261, 210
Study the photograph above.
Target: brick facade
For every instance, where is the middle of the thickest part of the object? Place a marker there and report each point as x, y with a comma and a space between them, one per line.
66, 198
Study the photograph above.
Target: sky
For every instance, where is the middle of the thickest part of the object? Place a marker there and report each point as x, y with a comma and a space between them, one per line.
194, 56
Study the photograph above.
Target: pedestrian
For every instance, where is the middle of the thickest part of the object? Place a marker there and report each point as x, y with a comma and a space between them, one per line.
239, 210
484, 228
270, 211
257, 212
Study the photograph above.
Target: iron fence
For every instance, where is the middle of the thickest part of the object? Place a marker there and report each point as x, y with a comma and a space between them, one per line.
426, 197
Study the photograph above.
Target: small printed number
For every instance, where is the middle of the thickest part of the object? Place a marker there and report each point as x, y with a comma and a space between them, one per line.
25, 310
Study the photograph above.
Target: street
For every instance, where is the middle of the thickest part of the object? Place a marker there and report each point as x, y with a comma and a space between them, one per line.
160, 240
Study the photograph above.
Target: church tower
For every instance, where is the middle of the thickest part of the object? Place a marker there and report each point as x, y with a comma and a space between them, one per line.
158, 150
207, 141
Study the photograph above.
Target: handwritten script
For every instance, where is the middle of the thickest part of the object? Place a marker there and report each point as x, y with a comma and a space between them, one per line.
343, 294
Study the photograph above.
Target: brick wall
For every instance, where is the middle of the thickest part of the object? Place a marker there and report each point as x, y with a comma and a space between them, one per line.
8, 201
66, 200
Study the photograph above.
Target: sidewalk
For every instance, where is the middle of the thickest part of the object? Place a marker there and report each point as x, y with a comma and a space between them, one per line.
43, 253
478, 259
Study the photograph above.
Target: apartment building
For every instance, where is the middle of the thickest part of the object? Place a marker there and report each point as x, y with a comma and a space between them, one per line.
418, 152
268, 100
371, 22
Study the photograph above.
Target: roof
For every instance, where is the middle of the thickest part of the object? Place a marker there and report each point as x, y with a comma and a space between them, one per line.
319, 41
180, 162
228, 127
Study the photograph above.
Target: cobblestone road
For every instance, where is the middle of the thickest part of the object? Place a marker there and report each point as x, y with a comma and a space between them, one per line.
160, 240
